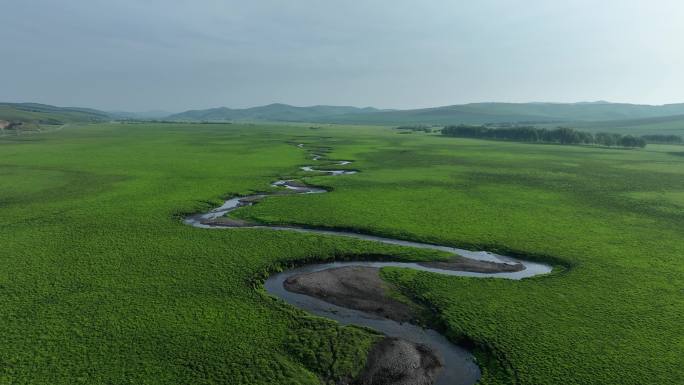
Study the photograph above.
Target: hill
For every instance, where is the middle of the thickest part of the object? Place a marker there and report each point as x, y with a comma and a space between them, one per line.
271, 112
473, 113
634, 119
47, 114
666, 125
482, 113
140, 115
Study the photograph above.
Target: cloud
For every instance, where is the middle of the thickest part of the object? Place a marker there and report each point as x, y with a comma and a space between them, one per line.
175, 55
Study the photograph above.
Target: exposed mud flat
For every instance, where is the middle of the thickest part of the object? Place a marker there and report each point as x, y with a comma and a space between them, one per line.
393, 361
459, 263
354, 287
361, 288
227, 222
373, 295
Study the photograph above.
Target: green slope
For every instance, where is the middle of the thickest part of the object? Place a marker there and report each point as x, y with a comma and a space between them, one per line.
661, 125
46, 114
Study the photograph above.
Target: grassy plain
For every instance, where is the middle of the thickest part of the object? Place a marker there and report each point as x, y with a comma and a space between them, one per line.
102, 284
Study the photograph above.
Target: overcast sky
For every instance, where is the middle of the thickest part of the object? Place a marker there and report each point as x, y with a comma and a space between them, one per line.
179, 54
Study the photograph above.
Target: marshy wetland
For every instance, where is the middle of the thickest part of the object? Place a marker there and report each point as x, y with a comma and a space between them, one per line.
353, 293
102, 282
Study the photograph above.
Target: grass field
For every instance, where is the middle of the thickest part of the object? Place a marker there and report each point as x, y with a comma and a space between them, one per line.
102, 284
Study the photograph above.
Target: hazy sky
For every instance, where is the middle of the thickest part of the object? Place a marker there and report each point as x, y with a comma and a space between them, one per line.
181, 54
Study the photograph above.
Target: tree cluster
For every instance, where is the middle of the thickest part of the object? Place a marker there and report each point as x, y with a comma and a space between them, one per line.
560, 135
417, 127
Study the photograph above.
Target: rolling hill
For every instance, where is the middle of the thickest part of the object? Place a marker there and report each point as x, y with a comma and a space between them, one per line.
662, 125
47, 114
593, 116
481, 113
142, 115
271, 112
474, 113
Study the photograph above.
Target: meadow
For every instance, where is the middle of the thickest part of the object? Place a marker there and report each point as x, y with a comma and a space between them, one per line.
103, 284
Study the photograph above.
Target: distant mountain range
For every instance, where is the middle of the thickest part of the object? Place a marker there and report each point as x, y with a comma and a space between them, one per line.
474, 113
577, 114
143, 115
272, 112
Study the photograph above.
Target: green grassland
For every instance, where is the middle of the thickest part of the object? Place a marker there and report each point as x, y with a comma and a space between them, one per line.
102, 283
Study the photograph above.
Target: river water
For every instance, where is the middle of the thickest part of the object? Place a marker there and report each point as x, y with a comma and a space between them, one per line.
459, 365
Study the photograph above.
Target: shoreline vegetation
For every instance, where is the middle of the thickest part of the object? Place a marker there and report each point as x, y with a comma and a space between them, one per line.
560, 135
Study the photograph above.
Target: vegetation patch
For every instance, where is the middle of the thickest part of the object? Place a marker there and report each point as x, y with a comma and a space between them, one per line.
561, 135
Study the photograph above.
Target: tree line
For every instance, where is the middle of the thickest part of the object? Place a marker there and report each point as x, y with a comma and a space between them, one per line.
560, 135
416, 127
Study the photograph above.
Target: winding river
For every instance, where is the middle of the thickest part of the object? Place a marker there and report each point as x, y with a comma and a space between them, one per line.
459, 365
